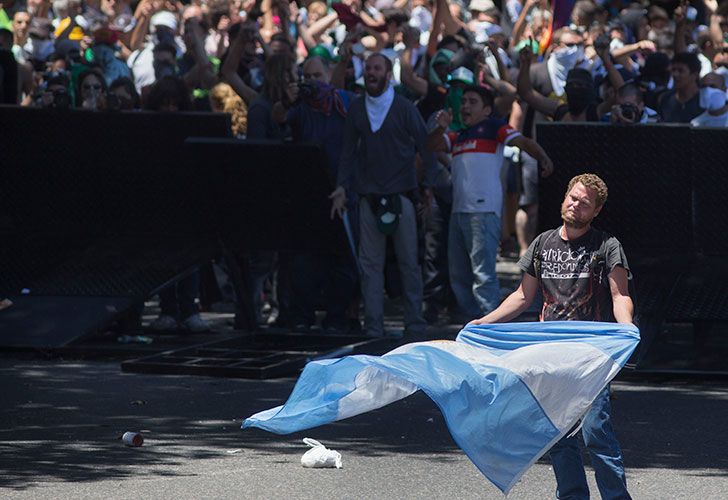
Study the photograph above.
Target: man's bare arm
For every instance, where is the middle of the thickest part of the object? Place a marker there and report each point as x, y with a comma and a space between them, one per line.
621, 301
515, 303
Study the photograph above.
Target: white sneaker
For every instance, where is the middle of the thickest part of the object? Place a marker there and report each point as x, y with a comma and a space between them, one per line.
164, 323
195, 324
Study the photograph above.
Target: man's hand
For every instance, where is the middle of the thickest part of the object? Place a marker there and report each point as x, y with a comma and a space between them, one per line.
338, 202
547, 166
444, 118
525, 55
426, 205
647, 46
479, 321
679, 13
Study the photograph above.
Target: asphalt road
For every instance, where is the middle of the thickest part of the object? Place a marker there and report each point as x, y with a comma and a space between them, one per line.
60, 424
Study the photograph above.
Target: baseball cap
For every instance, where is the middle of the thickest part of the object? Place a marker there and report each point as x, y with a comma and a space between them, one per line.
481, 5
164, 18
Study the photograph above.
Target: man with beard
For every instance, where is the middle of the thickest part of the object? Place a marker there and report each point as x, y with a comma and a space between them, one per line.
383, 134
475, 221
316, 113
583, 275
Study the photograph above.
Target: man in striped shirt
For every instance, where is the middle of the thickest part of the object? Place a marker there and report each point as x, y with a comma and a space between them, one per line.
475, 222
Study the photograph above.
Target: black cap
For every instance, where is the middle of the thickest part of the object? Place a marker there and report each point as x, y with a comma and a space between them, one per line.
579, 75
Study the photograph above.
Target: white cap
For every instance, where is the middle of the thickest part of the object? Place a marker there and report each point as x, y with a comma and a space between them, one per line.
462, 74
481, 5
484, 30
164, 18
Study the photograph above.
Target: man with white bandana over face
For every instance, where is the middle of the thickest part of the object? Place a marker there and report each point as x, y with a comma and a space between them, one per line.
383, 134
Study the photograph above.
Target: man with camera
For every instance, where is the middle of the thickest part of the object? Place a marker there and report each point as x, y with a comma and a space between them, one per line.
316, 113
630, 108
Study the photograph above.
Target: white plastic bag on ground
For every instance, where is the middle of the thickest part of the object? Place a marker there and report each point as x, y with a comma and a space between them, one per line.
320, 456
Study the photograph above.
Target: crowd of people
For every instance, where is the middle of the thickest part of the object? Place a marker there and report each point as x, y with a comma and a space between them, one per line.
426, 110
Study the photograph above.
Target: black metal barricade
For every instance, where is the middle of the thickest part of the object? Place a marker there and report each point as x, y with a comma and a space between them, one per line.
97, 211
666, 205
101, 210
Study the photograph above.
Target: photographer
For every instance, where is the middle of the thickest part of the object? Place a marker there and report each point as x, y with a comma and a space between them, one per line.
54, 92
316, 113
630, 107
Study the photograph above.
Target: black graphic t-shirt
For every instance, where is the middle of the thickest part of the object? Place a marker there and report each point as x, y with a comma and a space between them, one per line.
574, 274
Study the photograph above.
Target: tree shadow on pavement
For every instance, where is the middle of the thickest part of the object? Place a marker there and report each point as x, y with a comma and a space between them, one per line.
63, 421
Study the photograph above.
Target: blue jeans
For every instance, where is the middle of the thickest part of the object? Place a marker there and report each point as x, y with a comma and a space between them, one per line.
606, 457
472, 248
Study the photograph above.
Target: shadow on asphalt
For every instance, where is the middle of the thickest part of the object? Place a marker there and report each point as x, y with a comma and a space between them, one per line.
62, 421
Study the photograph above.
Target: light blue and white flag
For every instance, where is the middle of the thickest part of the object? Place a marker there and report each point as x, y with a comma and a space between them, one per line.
508, 391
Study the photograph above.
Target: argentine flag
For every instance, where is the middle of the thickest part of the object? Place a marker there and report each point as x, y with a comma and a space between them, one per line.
507, 391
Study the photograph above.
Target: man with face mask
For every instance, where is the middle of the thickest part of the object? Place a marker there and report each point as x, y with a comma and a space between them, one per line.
579, 90
714, 99
316, 113
382, 136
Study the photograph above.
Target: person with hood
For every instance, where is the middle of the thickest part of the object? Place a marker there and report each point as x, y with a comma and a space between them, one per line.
579, 89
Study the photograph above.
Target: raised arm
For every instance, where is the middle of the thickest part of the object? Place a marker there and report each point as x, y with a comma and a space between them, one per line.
538, 102
311, 34
229, 70
436, 29
338, 75
436, 139
201, 75
143, 14
520, 25
409, 78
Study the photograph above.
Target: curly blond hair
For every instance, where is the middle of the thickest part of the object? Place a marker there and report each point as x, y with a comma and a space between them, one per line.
594, 182
225, 100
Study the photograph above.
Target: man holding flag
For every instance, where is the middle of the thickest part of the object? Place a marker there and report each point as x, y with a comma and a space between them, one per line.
583, 275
